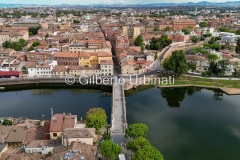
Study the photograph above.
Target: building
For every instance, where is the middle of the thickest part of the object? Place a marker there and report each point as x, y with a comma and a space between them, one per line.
3, 148
13, 34
179, 37
121, 42
163, 24
38, 56
41, 146
81, 135
16, 136
179, 24
56, 126
106, 67
66, 58
201, 63
131, 31
41, 69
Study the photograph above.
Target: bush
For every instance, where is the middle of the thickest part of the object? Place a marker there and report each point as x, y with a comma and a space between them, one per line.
7, 122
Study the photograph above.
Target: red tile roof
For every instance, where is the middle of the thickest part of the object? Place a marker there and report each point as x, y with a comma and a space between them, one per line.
46, 127
57, 123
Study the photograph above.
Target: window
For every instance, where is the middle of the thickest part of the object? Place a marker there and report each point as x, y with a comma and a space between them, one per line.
54, 134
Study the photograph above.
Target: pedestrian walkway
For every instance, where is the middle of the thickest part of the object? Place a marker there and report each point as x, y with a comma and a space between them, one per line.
118, 114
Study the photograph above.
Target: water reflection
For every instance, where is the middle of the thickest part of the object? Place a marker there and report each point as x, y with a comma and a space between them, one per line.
174, 96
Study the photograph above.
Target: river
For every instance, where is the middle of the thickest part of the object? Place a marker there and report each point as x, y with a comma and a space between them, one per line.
184, 123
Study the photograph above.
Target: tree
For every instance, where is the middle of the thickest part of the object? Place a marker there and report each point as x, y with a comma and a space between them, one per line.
47, 35
137, 144
36, 43
110, 150
185, 31
139, 41
203, 24
76, 21
223, 67
167, 28
96, 118
192, 66
50, 46
207, 35
18, 46
33, 30
156, 56
194, 39
178, 62
30, 48
238, 46
136, 130
147, 46
148, 152
7, 122
212, 57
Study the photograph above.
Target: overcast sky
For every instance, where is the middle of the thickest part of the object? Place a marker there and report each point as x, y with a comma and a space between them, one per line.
84, 2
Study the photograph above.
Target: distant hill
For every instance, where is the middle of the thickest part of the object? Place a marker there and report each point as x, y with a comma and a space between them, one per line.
202, 3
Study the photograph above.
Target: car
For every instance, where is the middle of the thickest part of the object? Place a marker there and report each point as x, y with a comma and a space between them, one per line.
158, 71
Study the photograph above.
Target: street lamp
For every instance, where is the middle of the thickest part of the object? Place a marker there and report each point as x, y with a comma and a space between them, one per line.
42, 117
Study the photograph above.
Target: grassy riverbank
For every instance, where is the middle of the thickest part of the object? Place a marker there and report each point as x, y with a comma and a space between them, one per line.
187, 80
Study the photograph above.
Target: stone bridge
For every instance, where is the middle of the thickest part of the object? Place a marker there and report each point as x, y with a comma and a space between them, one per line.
118, 116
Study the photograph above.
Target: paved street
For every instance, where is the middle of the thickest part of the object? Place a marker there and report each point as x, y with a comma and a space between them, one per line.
118, 114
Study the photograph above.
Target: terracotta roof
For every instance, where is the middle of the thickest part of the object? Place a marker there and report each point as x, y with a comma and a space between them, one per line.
79, 132
46, 127
56, 123
195, 58
17, 134
106, 62
69, 121
66, 54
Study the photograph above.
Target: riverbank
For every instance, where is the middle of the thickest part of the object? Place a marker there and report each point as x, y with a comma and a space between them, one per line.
19, 87
230, 87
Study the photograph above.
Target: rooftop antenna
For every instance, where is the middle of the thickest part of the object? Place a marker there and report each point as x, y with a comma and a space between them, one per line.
51, 112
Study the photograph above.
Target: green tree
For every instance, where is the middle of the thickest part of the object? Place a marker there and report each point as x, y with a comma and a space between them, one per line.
167, 28
76, 21
186, 31
7, 122
156, 56
148, 152
178, 62
47, 35
110, 150
212, 57
167, 65
207, 35
136, 130
96, 118
139, 41
238, 46
192, 66
195, 39
223, 66
33, 30
30, 48
137, 144
204, 52
36, 43
203, 24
